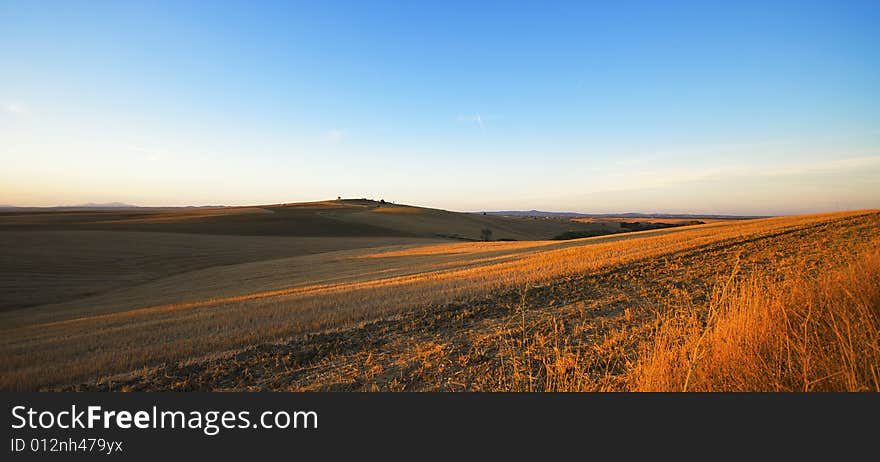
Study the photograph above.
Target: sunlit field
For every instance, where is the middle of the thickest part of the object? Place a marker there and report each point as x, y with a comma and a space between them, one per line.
785, 303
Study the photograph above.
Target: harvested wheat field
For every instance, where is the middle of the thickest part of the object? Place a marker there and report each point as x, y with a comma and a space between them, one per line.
788, 304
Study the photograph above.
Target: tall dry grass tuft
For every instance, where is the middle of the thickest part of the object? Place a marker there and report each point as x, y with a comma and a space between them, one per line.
539, 357
800, 333
539, 351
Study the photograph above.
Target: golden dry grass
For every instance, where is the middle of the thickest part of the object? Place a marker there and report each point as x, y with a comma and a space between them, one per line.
802, 333
584, 332
812, 324
96, 341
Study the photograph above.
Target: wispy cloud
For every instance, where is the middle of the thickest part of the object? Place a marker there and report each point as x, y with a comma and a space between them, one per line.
477, 119
629, 179
831, 166
817, 143
333, 135
16, 108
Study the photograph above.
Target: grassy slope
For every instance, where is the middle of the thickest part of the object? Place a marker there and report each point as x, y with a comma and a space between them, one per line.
346, 218
426, 221
598, 330
134, 334
56, 256
310, 268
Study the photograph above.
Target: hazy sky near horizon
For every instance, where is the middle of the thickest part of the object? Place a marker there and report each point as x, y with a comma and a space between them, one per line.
700, 107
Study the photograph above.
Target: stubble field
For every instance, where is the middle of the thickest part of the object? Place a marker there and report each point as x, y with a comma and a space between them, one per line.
418, 312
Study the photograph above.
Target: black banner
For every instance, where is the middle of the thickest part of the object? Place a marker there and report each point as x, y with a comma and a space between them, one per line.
147, 426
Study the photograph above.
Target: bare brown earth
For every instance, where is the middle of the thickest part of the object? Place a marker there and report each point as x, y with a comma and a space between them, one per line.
315, 220
580, 330
39, 268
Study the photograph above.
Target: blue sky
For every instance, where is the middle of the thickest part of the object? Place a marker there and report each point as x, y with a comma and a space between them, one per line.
703, 107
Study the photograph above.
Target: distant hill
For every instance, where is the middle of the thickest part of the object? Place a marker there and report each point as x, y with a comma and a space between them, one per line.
107, 205
103, 206
337, 218
334, 218
538, 213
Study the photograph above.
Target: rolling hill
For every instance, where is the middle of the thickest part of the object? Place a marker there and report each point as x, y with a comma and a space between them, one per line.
60, 255
224, 311
340, 218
